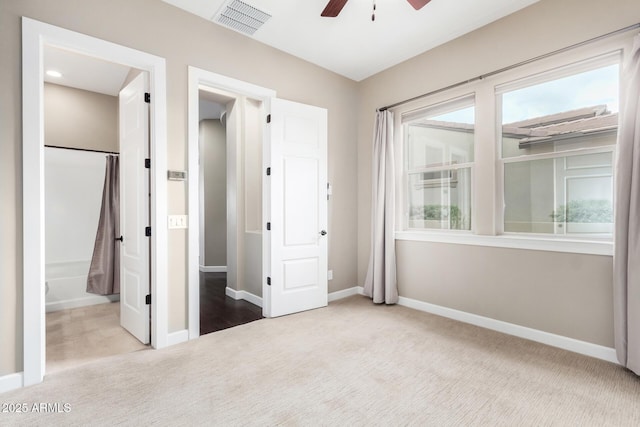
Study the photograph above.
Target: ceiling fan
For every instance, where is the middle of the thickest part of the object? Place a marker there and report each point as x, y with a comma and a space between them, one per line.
334, 7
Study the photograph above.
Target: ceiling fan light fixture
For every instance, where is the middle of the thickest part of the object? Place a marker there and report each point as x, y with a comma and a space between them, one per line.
241, 17
418, 4
333, 8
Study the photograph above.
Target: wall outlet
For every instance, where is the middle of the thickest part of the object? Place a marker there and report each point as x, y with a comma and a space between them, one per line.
177, 221
330, 275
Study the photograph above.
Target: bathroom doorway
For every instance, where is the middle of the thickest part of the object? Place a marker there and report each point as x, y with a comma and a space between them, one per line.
82, 146
36, 37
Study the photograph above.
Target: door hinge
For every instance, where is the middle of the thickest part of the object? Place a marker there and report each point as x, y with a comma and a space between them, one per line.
268, 118
147, 163
147, 97
147, 299
269, 281
268, 171
268, 226
147, 231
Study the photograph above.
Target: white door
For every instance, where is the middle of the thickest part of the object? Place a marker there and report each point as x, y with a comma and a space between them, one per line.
296, 209
134, 209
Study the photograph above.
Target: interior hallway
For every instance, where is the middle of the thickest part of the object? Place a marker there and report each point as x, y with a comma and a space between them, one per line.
217, 310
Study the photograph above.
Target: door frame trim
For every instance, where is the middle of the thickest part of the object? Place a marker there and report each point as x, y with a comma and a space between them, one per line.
35, 36
203, 78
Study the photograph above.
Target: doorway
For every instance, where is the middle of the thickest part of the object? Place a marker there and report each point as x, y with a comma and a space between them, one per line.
37, 36
230, 209
290, 184
233, 95
84, 126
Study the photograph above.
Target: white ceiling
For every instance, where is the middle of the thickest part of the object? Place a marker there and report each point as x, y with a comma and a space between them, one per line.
351, 44
84, 72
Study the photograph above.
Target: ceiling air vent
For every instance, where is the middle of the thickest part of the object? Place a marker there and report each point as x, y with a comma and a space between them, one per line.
242, 17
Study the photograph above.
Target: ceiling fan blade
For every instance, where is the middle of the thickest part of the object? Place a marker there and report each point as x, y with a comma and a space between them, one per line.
333, 8
418, 4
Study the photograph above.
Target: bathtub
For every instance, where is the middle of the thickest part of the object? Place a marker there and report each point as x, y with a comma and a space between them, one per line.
65, 284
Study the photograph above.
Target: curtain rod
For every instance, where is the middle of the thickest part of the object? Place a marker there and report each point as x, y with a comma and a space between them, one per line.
82, 149
501, 70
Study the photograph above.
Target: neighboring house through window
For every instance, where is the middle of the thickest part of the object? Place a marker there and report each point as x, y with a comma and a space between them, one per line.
558, 138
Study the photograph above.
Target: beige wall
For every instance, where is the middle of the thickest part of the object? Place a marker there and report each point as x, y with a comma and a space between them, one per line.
213, 161
80, 119
252, 165
182, 39
558, 293
252, 172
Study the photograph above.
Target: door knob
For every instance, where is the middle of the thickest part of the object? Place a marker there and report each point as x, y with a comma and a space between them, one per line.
323, 233
120, 238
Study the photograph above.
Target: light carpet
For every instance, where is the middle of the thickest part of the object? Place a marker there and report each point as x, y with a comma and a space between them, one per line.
351, 364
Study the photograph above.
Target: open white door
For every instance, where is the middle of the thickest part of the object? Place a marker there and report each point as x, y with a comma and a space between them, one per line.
296, 208
134, 209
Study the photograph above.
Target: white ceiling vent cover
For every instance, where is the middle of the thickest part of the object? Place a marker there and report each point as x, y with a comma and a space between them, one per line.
242, 17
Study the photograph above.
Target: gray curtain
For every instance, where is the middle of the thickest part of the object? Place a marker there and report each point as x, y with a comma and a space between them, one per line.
626, 259
104, 273
380, 283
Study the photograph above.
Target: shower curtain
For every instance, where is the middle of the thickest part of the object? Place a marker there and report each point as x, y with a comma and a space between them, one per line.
104, 273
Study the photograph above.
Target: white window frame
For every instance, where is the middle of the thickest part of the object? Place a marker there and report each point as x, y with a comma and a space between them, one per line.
443, 107
589, 64
488, 166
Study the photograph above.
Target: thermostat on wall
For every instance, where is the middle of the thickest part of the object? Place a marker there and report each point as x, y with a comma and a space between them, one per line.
177, 175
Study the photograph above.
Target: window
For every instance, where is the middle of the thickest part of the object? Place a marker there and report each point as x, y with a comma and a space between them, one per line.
439, 147
558, 137
523, 158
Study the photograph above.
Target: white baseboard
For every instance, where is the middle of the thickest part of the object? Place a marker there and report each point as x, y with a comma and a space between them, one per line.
177, 337
11, 382
333, 296
50, 307
253, 299
559, 341
247, 296
213, 268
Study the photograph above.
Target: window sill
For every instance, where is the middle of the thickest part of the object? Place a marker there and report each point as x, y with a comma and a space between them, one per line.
536, 243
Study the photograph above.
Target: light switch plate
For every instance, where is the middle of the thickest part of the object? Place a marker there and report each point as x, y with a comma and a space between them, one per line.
177, 221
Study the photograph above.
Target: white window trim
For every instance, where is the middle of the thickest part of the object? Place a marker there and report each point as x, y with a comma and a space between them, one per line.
589, 63
534, 242
491, 226
558, 154
444, 105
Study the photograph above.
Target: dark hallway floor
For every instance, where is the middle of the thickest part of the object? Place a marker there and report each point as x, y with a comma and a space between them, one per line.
218, 311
